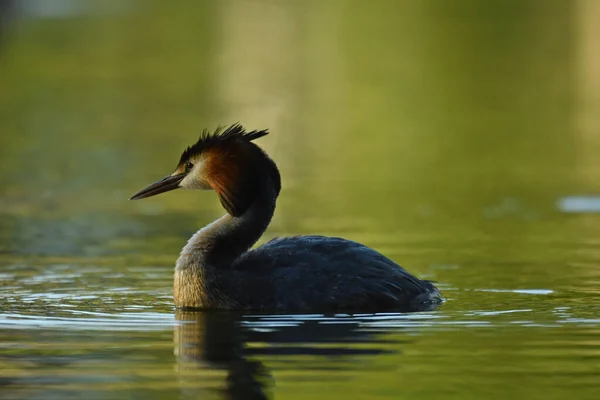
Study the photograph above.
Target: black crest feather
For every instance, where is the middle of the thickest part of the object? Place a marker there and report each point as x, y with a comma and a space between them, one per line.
220, 135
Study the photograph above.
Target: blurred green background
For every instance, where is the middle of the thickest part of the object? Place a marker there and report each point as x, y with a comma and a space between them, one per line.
446, 134
390, 120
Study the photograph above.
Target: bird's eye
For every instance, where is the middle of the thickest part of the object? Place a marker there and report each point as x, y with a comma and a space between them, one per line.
189, 166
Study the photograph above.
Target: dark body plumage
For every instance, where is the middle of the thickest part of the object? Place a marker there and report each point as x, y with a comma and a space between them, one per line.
304, 273
216, 269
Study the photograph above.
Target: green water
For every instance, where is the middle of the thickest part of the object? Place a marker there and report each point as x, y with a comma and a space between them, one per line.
445, 134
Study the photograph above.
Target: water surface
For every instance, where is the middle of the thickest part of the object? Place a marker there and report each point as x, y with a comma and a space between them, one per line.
460, 139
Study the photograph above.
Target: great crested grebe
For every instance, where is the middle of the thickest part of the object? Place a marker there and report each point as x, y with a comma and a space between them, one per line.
216, 269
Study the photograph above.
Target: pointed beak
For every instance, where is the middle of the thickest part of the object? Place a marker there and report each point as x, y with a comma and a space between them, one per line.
164, 185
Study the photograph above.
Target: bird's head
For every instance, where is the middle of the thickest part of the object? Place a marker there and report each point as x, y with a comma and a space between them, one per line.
225, 161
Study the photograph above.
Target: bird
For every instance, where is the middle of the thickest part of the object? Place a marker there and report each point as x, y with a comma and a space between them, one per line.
219, 269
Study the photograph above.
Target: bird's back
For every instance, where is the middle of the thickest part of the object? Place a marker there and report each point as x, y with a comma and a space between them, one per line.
317, 273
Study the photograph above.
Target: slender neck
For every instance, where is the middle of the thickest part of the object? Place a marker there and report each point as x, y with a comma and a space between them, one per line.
221, 242
210, 252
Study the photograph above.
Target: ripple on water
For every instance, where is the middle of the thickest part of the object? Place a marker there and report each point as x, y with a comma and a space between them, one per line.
55, 311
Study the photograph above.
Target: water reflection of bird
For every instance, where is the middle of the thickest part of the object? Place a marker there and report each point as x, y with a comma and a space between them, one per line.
214, 340
217, 270
234, 343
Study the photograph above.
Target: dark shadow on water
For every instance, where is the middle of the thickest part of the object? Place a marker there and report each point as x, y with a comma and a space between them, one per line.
215, 340
224, 341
